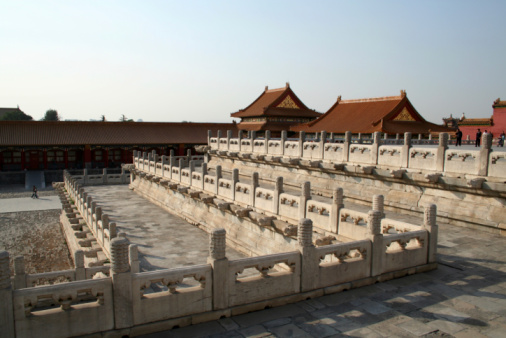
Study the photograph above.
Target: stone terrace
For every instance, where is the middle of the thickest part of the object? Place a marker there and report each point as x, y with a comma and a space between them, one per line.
464, 297
164, 240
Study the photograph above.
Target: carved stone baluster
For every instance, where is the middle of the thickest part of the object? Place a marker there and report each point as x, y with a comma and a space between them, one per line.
219, 262
122, 283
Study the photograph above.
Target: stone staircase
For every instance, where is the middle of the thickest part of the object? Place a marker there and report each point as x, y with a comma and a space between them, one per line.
77, 233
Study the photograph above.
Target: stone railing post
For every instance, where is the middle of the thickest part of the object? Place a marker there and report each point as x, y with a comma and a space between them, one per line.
337, 204
429, 224
79, 265
172, 163
266, 144
302, 139
346, 146
229, 136
218, 136
440, 153
98, 214
191, 169
105, 221
278, 189
93, 218
375, 147
100, 224
239, 138
204, 173
89, 212
6, 308
180, 167
144, 158
133, 258
121, 283
219, 262
254, 185
485, 150
305, 195
235, 179
282, 141
378, 204
332, 137
309, 261
19, 273
86, 179
112, 230
218, 177
209, 135
405, 150
323, 139
374, 234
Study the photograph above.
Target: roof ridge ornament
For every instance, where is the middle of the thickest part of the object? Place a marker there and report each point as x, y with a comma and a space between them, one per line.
403, 92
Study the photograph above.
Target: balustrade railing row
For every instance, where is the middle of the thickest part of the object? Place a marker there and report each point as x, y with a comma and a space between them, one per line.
406, 153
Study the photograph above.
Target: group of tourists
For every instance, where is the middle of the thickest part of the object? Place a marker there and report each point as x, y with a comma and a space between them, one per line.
458, 136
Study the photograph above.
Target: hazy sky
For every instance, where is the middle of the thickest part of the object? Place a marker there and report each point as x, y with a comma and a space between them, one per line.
202, 60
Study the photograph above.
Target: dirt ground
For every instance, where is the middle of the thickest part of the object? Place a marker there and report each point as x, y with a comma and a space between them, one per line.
37, 236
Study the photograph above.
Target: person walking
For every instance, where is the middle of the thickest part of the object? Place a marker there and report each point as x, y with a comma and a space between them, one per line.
34, 195
501, 139
458, 134
478, 138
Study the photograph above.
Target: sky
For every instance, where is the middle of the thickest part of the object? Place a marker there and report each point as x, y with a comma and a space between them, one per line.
199, 61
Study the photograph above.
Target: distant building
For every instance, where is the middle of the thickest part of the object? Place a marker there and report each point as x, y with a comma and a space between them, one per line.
275, 110
390, 114
41, 145
14, 114
496, 124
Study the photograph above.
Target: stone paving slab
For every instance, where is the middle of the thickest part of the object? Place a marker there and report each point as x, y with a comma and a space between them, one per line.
164, 240
29, 204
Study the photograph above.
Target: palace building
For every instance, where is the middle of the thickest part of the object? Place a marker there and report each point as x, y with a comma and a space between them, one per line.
275, 110
39, 145
391, 115
496, 124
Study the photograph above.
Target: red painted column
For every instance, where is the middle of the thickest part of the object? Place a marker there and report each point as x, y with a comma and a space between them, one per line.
181, 150
66, 157
105, 153
87, 156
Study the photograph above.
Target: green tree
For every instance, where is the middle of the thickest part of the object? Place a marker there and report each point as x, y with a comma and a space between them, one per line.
123, 118
51, 115
15, 115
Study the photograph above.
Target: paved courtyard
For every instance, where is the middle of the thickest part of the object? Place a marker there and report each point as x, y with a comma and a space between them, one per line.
164, 240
